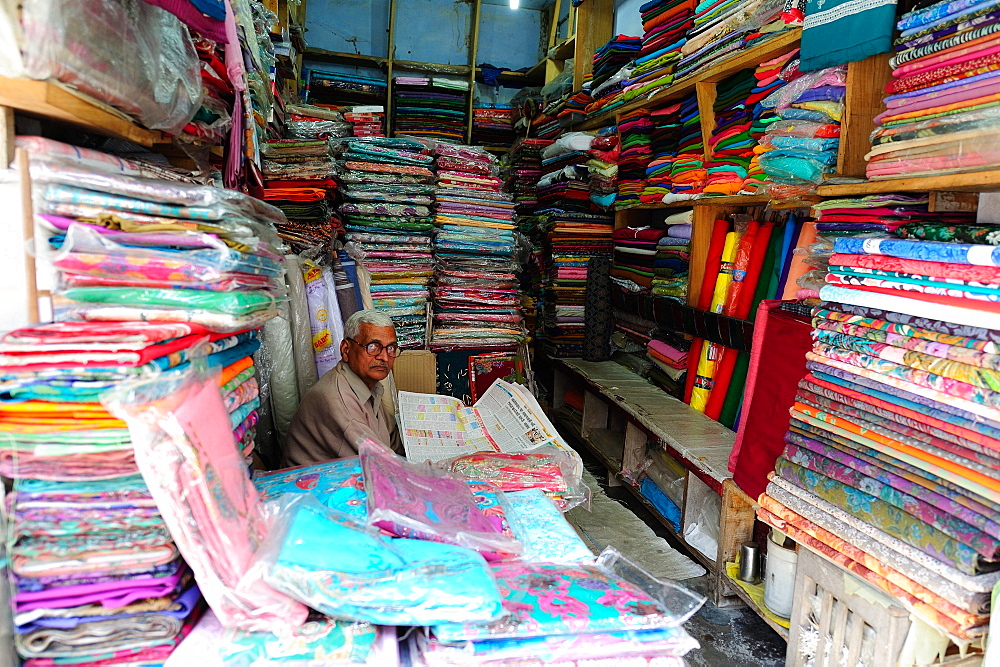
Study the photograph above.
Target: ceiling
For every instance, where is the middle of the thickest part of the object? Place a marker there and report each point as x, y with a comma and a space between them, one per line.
525, 4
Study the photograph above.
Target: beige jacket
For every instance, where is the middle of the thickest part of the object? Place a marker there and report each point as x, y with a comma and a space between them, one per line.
335, 416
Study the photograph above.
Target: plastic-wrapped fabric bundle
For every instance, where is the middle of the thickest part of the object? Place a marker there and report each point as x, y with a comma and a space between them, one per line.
284, 391
302, 349
325, 348
417, 501
128, 53
345, 570
184, 447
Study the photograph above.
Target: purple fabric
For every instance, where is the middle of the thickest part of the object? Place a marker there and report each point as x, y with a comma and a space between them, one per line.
145, 239
206, 26
962, 84
110, 594
927, 100
187, 601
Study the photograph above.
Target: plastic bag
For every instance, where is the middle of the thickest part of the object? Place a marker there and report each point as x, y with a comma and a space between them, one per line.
326, 353
547, 468
128, 53
802, 128
418, 501
538, 524
348, 571
613, 595
786, 95
184, 447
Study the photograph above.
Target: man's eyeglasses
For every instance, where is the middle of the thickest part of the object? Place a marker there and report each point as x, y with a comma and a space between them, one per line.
375, 348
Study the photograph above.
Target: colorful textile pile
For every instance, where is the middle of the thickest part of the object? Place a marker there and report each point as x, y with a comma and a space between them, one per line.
603, 167
298, 179
620, 50
136, 249
806, 139
388, 188
892, 452
939, 116
493, 125
664, 141
665, 23
672, 259
613, 619
431, 107
308, 122
524, 173
635, 253
687, 173
670, 364
731, 144
771, 77
367, 120
344, 90
94, 571
566, 181
477, 304
875, 216
722, 27
571, 240
635, 130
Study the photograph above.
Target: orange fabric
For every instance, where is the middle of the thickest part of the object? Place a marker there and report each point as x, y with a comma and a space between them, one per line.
986, 99
234, 369
667, 16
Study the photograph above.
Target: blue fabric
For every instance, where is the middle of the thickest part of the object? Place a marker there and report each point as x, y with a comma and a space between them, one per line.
662, 502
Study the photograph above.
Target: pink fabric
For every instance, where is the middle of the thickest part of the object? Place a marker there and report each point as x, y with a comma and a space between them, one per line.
929, 63
667, 351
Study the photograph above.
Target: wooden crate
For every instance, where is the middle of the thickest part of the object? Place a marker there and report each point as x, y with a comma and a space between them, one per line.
844, 621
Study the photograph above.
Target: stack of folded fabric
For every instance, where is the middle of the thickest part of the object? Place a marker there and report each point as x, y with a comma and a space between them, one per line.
610, 93
873, 216
605, 626
687, 175
938, 116
663, 144
565, 184
666, 23
575, 106
806, 139
388, 187
731, 144
477, 303
493, 125
723, 27
620, 50
673, 258
670, 363
310, 122
298, 179
635, 254
94, 573
345, 90
892, 452
572, 239
525, 160
367, 120
432, 107
635, 129
771, 76
603, 167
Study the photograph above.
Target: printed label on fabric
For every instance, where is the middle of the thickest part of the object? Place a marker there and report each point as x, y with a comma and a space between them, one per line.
322, 340
872, 246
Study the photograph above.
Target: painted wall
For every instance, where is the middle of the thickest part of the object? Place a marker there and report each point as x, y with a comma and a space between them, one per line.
427, 31
627, 20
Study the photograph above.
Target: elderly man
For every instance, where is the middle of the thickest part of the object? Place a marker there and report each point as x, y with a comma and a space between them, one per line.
345, 406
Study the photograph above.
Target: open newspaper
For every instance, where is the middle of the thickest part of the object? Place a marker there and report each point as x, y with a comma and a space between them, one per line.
507, 418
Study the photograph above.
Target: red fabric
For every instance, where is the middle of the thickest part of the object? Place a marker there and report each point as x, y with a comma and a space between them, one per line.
725, 363
745, 293
780, 343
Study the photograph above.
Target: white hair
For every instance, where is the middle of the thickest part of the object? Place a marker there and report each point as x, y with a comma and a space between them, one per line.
352, 327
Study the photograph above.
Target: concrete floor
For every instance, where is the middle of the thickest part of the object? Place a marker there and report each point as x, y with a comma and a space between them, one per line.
730, 637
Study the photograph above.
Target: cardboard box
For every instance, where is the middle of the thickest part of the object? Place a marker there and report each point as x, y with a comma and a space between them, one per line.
416, 370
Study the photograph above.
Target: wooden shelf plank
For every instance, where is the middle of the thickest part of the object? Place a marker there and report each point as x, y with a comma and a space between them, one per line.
743, 595
359, 59
687, 434
978, 181
741, 60
730, 200
48, 100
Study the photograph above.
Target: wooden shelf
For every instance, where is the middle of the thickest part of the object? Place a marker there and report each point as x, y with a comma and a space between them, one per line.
357, 59
511, 78
742, 60
434, 68
563, 50
56, 102
749, 601
978, 181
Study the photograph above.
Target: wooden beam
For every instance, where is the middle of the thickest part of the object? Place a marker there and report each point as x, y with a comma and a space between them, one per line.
988, 181
594, 27
477, 6
866, 81
706, 94
28, 232
7, 136
359, 59
554, 28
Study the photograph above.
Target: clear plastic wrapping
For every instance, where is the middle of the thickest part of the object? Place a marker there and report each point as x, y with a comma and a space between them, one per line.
128, 53
348, 571
302, 349
788, 94
276, 338
418, 501
184, 447
540, 527
548, 468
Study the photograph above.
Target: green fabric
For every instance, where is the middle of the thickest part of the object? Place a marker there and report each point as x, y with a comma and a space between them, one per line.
766, 272
734, 395
231, 303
